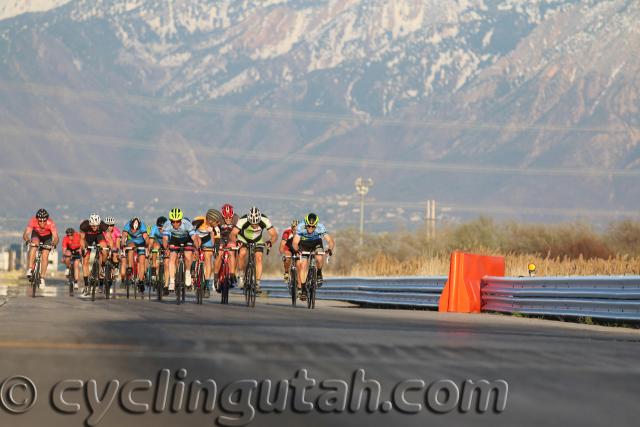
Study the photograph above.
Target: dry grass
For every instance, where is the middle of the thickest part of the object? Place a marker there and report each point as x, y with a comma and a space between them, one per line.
557, 250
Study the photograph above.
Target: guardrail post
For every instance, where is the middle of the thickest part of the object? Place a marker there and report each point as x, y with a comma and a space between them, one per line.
461, 293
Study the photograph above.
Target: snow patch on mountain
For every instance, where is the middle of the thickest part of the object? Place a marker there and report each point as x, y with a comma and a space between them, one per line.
11, 8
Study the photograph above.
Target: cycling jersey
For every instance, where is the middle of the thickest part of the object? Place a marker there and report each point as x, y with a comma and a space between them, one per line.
71, 243
226, 229
203, 230
115, 235
156, 233
137, 236
47, 229
184, 231
87, 230
316, 234
248, 233
287, 238
93, 237
287, 235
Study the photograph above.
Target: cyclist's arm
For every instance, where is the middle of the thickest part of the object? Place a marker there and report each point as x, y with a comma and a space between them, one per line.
27, 234
283, 246
83, 242
145, 236
55, 237
196, 241
165, 242
330, 241
233, 236
274, 235
296, 242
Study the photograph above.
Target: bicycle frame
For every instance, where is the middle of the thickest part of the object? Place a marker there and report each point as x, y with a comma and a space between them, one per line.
224, 275
312, 276
293, 278
250, 276
37, 265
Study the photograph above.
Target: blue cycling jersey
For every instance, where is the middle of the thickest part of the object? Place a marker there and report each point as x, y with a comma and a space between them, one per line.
135, 236
156, 233
316, 234
182, 232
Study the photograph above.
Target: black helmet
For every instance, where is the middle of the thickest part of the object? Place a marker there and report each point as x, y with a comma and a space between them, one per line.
69, 231
42, 214
161, 221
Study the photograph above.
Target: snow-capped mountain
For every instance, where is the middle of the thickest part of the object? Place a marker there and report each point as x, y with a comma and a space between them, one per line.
11, 8
465, 101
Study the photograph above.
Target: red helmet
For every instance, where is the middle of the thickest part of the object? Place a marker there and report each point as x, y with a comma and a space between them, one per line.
227, 211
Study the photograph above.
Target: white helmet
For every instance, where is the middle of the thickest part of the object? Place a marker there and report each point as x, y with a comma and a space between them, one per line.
94, 219
254, 216
110, 220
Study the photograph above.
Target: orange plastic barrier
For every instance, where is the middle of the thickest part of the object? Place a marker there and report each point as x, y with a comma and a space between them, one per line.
461, 293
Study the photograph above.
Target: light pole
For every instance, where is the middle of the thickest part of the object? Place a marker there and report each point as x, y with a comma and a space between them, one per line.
362, 187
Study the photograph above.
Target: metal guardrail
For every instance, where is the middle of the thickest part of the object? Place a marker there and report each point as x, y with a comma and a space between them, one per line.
604, 297
410, 291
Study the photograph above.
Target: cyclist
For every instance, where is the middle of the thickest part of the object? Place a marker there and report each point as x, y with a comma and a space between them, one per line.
134, 235
179, 230
155, 245
207, 228
249, 228
71, 253
308, 238
226, 227
114, 236
40, 229
286, 247
92, 233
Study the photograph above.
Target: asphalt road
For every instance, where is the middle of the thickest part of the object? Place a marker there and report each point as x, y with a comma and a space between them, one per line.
557, 373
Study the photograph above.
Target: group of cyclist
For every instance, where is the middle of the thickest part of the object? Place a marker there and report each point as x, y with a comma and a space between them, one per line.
217, 230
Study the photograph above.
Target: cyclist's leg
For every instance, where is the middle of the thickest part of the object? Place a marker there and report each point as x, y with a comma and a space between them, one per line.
259, 256
130, 254
142, 264
35, 240
208, 264
173, 261
188, 259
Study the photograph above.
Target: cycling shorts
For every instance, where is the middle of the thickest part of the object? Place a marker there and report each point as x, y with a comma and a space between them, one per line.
310, 245
45, 240
95, 239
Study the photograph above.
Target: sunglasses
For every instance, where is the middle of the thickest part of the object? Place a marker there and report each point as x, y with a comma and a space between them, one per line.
42, 220
176, 222
311, 226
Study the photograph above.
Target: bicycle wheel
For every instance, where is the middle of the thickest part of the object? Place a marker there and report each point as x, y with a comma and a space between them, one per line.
224, 290
179, 281
160, 282
107, 279
311, 288
293, 286
35, 278
72, 275
128, 284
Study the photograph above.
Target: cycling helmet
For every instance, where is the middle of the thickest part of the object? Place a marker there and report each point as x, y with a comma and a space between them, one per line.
227, 211
175, 214
254, 216
69, 231
214, 215
311, 219
94, 219
161, 221
42, 214
110, 220
294, 224
135, 223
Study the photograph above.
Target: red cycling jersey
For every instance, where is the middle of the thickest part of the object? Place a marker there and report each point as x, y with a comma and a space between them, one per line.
287, 234
71, 243
47, 229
